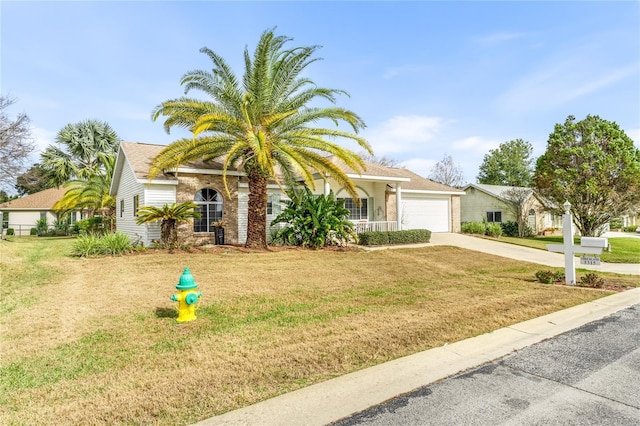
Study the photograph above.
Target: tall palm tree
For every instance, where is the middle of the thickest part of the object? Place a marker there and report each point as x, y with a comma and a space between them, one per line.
170, 215
263, 125
81, 151
91, 194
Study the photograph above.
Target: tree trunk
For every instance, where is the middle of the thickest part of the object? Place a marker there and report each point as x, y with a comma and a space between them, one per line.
257, 214
168, 234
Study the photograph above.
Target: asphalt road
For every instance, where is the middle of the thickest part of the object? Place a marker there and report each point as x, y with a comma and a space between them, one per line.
587, 376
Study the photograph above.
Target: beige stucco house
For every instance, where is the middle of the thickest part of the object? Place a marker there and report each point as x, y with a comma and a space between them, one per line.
392, 198
491, 202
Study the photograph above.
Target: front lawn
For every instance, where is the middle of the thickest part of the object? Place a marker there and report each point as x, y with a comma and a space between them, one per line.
94, 341
623, 250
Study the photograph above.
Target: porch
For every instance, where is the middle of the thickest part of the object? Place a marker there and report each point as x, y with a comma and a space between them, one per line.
375, 226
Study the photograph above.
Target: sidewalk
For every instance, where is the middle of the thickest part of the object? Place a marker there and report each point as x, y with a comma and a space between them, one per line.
513, 251
335, 399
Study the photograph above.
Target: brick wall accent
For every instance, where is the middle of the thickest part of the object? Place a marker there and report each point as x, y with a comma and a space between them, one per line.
455, 213
188, 185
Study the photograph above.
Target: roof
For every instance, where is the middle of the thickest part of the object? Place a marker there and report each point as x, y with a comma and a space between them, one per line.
43, 200
410, 181
139, 156
495, 190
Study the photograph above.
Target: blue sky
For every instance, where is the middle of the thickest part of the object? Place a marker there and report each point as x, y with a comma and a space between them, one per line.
428, 78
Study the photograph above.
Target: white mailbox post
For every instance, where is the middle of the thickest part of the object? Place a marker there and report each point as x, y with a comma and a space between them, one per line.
588, 245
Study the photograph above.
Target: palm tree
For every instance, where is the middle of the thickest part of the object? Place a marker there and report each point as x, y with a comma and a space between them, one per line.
81, 151
262, 125
170, 215
91, 194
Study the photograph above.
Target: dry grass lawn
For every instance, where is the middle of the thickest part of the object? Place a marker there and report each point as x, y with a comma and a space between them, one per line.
94, 341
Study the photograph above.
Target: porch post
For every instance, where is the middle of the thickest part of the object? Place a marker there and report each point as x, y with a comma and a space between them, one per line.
399, 205
327, 187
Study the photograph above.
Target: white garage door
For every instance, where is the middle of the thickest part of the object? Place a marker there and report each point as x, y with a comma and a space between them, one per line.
425, 213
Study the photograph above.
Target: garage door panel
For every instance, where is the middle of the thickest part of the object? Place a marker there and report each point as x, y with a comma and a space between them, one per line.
426, 213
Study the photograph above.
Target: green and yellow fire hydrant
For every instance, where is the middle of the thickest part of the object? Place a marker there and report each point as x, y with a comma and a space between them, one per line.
187, 297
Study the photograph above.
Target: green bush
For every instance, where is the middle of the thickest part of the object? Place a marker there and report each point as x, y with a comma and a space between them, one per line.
592, 280
616, 223
10, 231
411, 236
33, 231
90, 225
114, 243
631, 228
473, 228
510, 228
545, 277
493, 230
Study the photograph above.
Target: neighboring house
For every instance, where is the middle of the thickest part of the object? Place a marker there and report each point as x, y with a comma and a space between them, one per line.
22, 214
490, 202
423, 203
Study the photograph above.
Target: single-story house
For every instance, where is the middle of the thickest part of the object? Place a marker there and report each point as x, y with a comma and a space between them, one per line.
422, 202
22, 214
491, 202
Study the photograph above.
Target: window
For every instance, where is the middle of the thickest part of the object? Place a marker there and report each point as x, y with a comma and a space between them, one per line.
273, 204
43, 215
136, 204
355, 212
494, 217
122, 208
209, 203
5, 220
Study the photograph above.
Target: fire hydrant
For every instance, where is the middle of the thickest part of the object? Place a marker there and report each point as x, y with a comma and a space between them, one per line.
187, 297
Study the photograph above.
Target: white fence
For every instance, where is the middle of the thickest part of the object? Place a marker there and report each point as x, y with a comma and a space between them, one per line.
367, 226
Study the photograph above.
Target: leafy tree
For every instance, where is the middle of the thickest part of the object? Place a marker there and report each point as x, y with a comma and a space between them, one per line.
15, 143
447, 173
510, 164
4, 197
170, 216
91, 194
263, 124
383, 161
595, 166
516, 199
34, 180
83, 150
314, 221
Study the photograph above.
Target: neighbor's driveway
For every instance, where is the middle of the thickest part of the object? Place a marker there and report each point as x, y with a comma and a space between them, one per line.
513, 251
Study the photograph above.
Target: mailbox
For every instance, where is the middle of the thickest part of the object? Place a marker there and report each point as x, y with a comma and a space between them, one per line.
594, 242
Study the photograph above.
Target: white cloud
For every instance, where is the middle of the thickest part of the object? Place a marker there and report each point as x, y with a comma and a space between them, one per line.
496, 38
407, 69
561, 81
42, 139
476, 144
634, 134
421, 166
404, 134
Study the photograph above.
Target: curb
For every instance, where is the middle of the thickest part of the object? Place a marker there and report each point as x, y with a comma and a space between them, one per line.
343, 396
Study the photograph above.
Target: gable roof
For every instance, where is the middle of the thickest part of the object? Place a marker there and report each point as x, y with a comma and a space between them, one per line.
139, 156
43, 200
410, 181
495, 190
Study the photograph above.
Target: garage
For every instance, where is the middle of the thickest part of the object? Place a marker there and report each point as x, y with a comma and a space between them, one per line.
426, 213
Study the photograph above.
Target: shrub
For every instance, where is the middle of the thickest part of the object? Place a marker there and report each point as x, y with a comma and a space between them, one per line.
592, 280
473, 228
11, 231
493, 230
558, 276
115, 243
86, 245
410, 236
33, 231
42, 227
616, 223
90, 225
545, 277
527, 232
632, 228
509, 229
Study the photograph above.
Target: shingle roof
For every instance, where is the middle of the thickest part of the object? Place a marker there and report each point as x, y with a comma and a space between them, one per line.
495, 190
43, 200
417, 182
141, 154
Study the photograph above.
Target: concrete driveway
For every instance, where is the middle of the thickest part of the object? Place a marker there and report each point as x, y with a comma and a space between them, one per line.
513, 251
